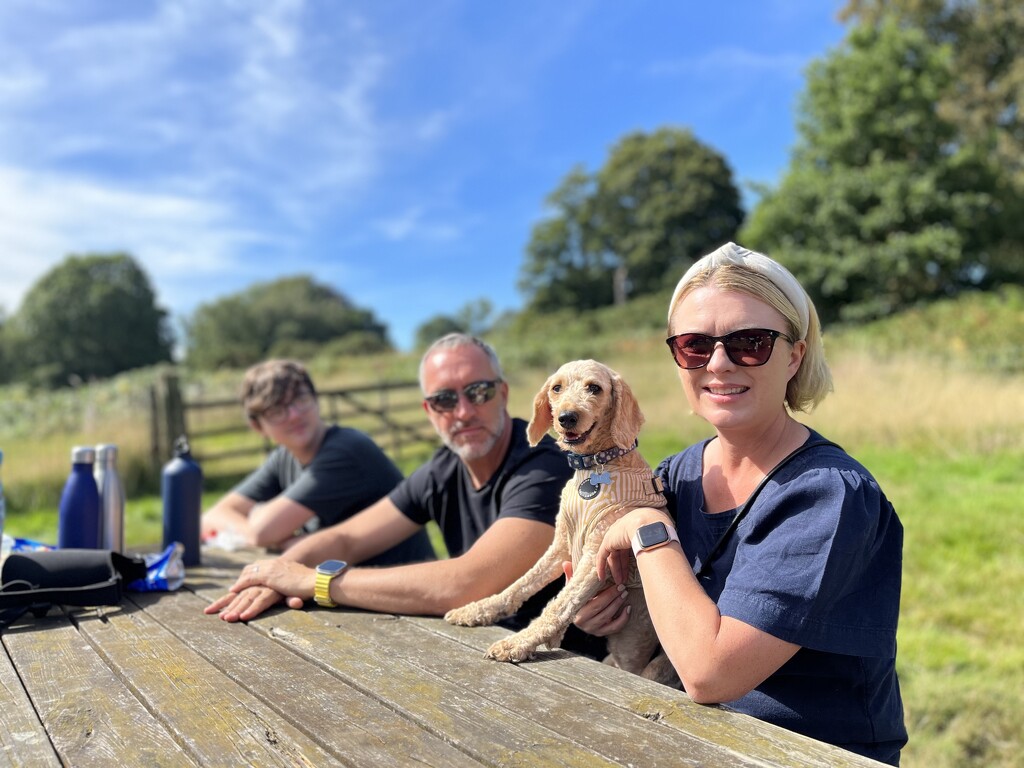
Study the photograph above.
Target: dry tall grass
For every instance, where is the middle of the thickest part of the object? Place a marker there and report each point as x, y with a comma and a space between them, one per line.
896, 402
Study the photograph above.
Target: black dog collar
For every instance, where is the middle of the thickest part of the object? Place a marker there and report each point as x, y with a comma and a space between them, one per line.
586, 461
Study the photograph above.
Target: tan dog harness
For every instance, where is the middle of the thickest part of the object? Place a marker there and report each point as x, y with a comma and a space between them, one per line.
595, 494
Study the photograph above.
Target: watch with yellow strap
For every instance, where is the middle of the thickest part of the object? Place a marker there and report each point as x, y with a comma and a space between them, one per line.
327, 572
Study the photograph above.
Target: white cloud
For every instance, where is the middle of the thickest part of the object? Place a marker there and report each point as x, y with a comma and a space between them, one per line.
43, 218
254, 99
155, 129
410, 224
734, 61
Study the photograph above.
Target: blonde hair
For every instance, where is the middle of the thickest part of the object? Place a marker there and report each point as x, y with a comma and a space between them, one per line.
813, 380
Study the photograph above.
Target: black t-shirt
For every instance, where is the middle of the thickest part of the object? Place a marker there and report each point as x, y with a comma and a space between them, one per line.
349, 473
528, 485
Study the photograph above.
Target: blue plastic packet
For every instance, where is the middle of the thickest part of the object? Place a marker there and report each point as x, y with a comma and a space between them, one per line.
165, 571
27, 545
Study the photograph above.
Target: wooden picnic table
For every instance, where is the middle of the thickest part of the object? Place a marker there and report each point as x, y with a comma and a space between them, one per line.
155, 681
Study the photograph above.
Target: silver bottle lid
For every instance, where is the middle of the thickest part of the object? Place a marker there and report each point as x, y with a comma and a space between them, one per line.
106, 451
83, 454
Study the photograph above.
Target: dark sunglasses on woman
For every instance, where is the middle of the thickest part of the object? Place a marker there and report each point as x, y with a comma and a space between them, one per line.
748, 348
477, 393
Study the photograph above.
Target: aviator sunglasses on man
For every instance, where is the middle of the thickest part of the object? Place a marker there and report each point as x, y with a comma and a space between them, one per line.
477, 393
748, 348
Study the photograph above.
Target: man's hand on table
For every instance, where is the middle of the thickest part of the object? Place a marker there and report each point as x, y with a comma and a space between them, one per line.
262, 585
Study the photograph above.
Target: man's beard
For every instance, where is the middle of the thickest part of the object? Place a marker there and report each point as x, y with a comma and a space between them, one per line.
473, 451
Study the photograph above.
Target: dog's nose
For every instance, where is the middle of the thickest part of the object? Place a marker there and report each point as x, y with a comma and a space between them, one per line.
567, 419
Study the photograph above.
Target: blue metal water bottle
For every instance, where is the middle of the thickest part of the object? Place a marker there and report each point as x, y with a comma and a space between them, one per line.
182, 487
78, 523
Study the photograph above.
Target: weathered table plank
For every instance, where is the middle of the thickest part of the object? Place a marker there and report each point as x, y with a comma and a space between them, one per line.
204, 711
92, 719
695, 733
667, 708
23, 740
489, 732
569, 711
343, 720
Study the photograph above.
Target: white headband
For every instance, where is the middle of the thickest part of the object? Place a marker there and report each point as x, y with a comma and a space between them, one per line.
730, 253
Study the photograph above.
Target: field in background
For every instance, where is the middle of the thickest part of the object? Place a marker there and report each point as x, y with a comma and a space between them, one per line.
932, 404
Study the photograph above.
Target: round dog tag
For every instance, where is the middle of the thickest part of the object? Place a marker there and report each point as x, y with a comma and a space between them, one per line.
588, 490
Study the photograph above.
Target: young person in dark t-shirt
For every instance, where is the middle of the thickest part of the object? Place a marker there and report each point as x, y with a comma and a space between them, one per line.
494, 498
318, 475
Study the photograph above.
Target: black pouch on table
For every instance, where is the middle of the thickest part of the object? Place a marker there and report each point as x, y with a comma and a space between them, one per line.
79, 577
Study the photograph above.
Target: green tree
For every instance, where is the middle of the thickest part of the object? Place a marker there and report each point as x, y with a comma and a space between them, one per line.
659, 202
884, 204
474, 318
90, 317
986, 38
436, 327
566, 265
277, 318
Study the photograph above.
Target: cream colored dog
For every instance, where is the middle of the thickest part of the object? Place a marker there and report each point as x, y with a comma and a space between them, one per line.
597, 420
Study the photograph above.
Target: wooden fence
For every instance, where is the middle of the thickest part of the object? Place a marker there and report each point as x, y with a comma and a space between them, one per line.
224, 444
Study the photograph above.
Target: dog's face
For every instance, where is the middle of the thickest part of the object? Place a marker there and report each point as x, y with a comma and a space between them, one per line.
589, 407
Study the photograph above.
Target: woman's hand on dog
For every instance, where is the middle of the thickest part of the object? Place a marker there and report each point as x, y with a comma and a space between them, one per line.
615, 555
603, 614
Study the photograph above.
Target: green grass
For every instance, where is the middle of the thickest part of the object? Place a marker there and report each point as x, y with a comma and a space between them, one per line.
961, 662
940, 424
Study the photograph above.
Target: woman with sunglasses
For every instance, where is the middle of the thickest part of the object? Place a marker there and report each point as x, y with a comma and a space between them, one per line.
776, 598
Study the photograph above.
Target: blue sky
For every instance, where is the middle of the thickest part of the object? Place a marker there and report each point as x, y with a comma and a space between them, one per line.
398, 151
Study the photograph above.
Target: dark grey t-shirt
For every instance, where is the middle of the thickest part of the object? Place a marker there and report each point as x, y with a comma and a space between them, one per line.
349, 473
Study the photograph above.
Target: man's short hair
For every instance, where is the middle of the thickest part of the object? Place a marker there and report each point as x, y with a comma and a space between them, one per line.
453, 340
271, 383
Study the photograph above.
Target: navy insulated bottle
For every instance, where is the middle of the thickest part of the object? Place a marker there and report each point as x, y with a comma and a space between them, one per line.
182, 487
78, 524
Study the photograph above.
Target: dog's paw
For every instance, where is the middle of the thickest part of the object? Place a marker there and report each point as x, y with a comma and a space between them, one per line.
469, 616
474, 614
511, 649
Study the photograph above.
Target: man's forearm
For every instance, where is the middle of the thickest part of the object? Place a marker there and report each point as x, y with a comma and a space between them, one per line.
418, 589
224, 519
326, 544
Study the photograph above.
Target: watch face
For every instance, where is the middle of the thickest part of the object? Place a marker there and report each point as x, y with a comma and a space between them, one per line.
331, 567
649, 535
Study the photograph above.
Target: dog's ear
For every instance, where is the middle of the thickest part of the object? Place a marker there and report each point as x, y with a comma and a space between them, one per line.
542, 419
627, 418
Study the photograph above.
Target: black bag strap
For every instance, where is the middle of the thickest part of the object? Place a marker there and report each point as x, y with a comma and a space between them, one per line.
38, 580
101, 593
716, 550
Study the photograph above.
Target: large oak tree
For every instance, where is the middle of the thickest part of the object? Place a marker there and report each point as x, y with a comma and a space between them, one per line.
887, 202
283, 317
660, 201
89, 317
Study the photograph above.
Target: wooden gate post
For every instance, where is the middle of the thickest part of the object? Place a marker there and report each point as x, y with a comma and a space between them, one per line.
168, 417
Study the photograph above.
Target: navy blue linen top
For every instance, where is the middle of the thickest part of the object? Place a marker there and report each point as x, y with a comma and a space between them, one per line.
816, 562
